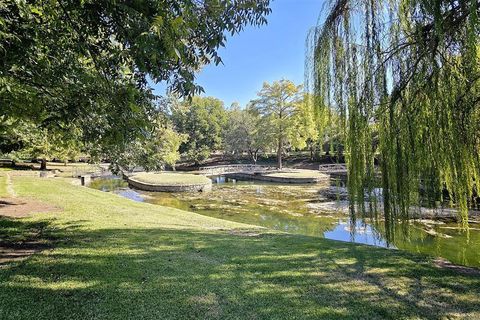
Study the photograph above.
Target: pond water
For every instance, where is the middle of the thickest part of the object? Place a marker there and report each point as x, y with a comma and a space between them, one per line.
312, 210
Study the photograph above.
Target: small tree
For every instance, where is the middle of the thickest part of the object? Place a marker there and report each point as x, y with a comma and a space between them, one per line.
307, 127
45, 144
203, 120
155, 149
236, 132
278, 103
245, 132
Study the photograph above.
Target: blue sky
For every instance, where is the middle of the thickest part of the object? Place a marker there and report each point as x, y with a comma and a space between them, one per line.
267, 53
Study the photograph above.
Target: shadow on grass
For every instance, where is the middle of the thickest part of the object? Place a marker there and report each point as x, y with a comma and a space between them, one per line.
19, 238
183, 274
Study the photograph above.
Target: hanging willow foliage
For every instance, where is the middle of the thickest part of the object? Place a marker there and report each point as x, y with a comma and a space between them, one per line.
404, 77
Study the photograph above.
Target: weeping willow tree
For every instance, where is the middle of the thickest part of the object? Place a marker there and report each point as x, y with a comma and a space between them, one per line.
404, 77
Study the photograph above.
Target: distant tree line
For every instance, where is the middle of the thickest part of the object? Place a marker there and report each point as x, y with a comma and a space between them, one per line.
278, 120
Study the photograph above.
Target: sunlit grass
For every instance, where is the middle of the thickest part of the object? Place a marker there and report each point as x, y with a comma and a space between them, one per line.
118, 259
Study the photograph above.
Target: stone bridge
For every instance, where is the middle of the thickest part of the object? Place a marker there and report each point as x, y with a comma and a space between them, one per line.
333, 168
234, 168
252, 168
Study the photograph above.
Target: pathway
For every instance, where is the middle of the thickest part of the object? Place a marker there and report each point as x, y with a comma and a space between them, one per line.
10, 189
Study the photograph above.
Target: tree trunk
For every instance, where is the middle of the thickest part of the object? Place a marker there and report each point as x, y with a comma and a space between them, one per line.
253, 156
43, 164
279, 153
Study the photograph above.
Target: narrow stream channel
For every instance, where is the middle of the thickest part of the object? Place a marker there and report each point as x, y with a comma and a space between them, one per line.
303, 209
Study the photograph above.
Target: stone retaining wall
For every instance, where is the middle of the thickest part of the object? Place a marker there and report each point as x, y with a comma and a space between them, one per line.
85, 180
234, 168
169, 188
33, 173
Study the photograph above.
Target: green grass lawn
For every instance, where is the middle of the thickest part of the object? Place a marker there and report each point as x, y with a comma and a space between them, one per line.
168, 178
117, 259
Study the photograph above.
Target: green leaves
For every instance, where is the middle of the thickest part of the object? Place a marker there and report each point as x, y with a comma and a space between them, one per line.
278, 104
404, 78
246, 132
91, 63
202, 119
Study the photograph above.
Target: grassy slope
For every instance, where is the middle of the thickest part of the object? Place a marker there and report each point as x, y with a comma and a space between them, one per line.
124, 260
170, 178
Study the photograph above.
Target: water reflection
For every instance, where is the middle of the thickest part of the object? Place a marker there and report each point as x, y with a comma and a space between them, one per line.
110, 183
131, 194
361, 233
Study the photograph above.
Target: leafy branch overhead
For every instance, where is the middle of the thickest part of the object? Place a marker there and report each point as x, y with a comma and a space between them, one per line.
92, 62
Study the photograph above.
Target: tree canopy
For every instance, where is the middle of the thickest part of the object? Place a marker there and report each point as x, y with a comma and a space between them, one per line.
409, 70
278, 103
202, 120
91, 63
245, 131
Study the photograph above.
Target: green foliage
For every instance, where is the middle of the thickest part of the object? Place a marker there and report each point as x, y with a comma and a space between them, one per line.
32, 142
90, 63
245, 132
203, 120
406, 73
167, 145
280, 106
153, 150
306, 124
330, 133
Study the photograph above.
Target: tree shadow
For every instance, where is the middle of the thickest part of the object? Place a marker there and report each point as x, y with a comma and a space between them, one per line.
185, 274
19, 238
